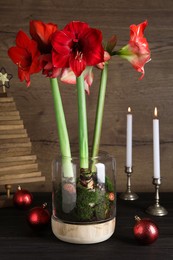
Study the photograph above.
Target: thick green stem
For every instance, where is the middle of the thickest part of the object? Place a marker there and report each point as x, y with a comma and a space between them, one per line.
99, 114
82, 123
62, 129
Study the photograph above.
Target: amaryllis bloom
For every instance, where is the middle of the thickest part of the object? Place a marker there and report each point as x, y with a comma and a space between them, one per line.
42, 34
77, 46
137, 51
26, 56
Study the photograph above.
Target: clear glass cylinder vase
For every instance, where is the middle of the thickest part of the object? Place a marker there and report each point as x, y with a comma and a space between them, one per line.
84, 200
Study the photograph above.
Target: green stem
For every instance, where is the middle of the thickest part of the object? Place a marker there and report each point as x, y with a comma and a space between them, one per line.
62, 129
82, 123
99, 113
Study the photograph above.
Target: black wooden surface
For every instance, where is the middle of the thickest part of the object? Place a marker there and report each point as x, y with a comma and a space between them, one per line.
19, 241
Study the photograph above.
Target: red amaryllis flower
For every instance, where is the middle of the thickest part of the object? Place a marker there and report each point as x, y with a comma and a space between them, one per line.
137, 51
26, 56
77, 46
42, 34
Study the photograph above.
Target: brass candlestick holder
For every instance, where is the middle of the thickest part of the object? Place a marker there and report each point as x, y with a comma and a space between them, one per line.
7, 199
128, 194
157, 209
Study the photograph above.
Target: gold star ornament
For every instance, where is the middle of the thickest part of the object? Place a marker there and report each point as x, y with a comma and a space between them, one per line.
5, 79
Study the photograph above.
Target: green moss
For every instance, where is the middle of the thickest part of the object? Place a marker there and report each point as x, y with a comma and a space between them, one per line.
86, 199
109, 185
91, 204
102, 206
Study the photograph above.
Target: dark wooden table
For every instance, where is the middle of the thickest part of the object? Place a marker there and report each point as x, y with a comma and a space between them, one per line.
19, 241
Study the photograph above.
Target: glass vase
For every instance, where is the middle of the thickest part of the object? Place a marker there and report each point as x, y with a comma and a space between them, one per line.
84, 200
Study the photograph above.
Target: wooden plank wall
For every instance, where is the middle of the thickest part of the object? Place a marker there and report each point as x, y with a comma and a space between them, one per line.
124, 89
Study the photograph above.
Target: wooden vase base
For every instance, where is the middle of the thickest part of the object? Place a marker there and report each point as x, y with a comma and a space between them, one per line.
83, 234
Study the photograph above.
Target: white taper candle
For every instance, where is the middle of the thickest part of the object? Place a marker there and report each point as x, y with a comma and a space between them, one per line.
156, 145
129, 139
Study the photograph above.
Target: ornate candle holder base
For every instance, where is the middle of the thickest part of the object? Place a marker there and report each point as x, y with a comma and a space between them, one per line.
157, 209
128, 194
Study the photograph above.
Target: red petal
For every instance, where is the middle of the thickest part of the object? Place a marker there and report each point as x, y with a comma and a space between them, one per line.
23, 75
92, 46
42, 31
17, 54
76, 27
88, 77
95, 57
68, 76
33, 49
61, 42
60, 61
22, 40
35, 66
137, 30
77, 65
56, 72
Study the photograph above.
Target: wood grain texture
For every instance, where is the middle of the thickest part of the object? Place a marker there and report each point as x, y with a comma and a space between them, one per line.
18, 240
123, 90
16, 172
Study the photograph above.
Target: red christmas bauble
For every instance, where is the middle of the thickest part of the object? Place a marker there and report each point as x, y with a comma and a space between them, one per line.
22, 198
38, 217
145, 230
